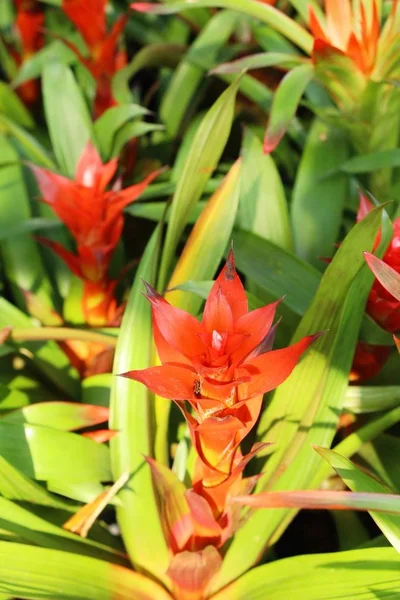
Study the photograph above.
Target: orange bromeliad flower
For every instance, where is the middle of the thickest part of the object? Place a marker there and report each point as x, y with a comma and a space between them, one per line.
216, 371
105, 58
347, 35
95, 219
29, 23
221, 366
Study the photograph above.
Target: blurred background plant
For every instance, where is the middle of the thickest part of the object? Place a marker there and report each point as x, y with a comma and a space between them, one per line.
96, 99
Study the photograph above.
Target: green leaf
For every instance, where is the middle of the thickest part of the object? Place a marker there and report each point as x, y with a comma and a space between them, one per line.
264, 262
313, 394
46, 454
30, 572
285, 103
111, 121
259, 61
253, 8
28, 226
358, 481
318, 202
46, 356
372, 162
14, 485
67, 115
22, 261
13, 107
65, 416
34, 529
152, 55
208, 240
369, 574
366, 399
29, 144
263, 207
188, 75
33, 67
205, 152
132, 414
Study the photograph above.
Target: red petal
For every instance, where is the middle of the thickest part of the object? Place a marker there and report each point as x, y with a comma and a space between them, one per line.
124, 197
231, 287
180, 329
204, 521
89, 166
168, 381
89, 18
70, 259
365, 206
217, 314
100, 436
255, 325
315, 25
109, 49
271, 369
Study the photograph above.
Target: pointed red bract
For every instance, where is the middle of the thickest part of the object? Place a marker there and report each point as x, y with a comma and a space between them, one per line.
383, 303
105, 59
95, 219
29, 24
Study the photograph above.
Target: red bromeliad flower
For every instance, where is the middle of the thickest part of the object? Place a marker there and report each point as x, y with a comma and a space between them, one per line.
220, 366
216, 371
29, 23
95, 219
105, 58
381, 306
346, 35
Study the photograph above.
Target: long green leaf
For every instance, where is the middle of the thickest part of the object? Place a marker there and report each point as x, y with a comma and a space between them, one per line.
253, 8
366, 399
67, 116
188, 75
47, 454
318, 202
33, 573
369, 574
22, 261
205, 152
264, 262
263, 207
358, 481
132, 414
285, 103
20, 521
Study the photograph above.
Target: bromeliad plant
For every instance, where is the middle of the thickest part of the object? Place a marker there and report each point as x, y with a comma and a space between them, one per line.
220, 415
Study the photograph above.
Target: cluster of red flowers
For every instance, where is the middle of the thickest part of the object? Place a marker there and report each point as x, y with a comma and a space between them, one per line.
94, 217
381, 306
216, 371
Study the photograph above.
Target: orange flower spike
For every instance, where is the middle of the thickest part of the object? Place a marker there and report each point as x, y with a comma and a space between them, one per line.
89, 17
93, 215
29, 23
220, 366
95, 219
342, 35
